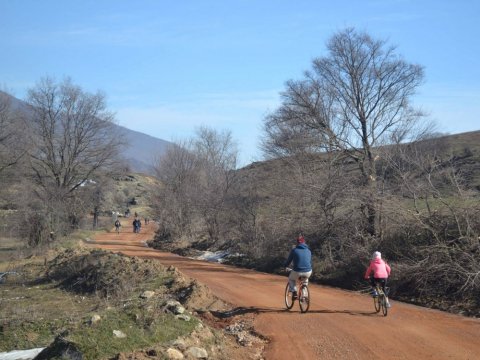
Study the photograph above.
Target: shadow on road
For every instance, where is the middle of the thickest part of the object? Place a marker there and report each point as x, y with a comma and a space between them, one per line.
259, 310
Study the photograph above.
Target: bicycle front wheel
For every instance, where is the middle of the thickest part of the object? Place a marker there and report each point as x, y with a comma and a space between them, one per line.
288, 297
304, 300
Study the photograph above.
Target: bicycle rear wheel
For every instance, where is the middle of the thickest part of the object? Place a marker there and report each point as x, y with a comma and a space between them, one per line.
376, 303
304, 300
288, 297
384, 306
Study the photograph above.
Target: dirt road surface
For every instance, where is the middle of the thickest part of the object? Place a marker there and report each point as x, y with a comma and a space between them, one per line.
339, 325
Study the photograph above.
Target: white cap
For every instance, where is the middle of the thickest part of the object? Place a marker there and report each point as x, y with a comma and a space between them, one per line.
377, 255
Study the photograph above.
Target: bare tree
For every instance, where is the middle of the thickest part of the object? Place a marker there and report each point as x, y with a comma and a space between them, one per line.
177, 170
197, 176
351, 101
217, 154
73, 140
73, 134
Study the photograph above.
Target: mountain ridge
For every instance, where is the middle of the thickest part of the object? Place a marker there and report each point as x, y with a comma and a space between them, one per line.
140, 151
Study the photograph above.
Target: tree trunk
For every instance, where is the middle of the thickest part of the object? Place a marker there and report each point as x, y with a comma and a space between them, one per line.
95, 217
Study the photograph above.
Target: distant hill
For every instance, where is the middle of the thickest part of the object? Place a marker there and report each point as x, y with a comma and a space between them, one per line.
463, 151
141, 151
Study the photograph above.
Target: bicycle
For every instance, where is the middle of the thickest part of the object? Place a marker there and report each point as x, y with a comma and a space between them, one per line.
303, 294
380, 301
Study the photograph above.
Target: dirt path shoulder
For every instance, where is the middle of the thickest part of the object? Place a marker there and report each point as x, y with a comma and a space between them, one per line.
339, 325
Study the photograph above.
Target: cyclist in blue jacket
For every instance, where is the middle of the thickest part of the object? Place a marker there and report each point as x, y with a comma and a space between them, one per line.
301, 256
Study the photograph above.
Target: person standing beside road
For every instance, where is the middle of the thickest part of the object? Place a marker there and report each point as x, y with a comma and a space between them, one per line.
117, 226
301, 256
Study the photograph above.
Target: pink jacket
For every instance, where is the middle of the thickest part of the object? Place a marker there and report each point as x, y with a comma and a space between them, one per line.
379, 268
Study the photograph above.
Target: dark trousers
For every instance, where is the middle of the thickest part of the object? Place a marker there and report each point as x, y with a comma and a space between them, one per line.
381, 281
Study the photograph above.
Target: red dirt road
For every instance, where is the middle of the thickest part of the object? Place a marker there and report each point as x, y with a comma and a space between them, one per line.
339, 325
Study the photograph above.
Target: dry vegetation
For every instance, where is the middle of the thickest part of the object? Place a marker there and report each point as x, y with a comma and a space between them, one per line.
427, 205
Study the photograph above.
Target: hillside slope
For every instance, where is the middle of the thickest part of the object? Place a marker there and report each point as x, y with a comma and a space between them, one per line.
142, 149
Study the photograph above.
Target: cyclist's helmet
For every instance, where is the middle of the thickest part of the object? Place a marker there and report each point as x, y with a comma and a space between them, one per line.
377, 255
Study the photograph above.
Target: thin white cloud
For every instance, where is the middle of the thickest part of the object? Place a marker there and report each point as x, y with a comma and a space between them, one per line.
104, 35
250, 100
118, 33
396, 17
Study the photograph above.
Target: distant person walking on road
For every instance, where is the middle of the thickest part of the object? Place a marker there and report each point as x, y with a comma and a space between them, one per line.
137, 224
117, 225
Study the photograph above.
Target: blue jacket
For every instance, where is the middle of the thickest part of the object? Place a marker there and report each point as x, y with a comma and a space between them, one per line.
301, 257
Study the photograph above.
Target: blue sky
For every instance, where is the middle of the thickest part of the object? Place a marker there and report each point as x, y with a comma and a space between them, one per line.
168, 67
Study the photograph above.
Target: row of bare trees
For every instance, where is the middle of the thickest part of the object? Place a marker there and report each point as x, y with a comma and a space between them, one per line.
197, 176
57, 146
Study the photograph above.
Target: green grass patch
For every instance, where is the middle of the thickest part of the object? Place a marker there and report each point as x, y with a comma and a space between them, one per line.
28, 335
142, 327
141, 331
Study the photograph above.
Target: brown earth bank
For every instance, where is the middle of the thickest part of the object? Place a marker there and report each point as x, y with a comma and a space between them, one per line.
339, 325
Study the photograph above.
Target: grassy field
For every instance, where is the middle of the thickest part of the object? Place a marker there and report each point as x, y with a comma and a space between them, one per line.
9, 250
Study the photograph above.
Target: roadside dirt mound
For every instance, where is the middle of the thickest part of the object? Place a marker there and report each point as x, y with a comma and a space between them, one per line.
193, 295
227, 334
108, 274
100, 272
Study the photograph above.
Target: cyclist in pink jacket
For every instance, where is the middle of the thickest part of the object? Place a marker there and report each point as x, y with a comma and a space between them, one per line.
378, 272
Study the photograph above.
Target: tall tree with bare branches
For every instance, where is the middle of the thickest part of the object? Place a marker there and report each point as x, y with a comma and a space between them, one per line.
352, 100
73, 133
73, 139
217, 154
